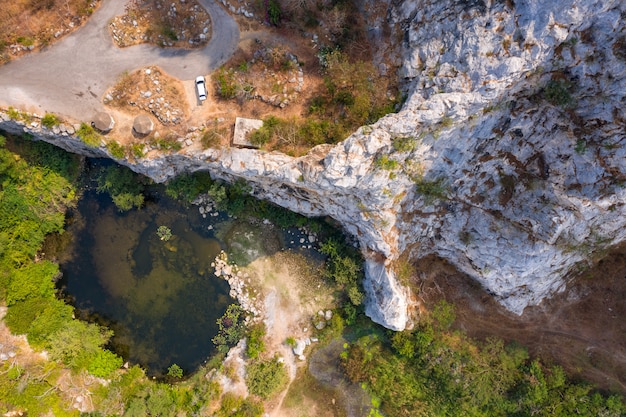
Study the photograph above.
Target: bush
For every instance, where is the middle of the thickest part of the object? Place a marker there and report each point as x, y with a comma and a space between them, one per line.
233, 406
386, 163
266, 377
88, 134
175, 371
231, 328
255, 345
344, 268
50, 120
104, 363
226, 84
116, 150
124, 187
557, 92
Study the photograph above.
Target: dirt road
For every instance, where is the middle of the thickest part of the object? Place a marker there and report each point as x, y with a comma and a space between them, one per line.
70, 77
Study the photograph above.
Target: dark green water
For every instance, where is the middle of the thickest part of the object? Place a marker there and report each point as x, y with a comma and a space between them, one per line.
161, 298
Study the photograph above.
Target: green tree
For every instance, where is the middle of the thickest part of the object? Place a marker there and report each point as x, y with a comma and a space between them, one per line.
175, 371
266, 377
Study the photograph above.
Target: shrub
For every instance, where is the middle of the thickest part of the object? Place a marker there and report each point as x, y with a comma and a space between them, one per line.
168, 143
231, 328
233, 406
227, 86
266, 377
255, 345
386, 163
88, 134
404, 143
431, 190
124, 187
49, 120
136, 149
557, 92
175, 371
104, 363
116, 150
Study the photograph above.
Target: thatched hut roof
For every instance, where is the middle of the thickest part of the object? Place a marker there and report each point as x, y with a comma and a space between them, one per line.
103, 122
143, 125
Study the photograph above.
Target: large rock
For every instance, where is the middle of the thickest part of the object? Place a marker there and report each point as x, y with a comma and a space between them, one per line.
513, 151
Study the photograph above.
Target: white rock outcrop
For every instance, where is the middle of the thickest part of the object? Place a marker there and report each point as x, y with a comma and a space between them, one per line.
510, 150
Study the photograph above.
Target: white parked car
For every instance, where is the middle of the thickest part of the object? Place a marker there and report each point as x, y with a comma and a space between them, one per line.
201, 88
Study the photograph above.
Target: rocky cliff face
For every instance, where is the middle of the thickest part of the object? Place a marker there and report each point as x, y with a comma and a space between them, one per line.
507, 159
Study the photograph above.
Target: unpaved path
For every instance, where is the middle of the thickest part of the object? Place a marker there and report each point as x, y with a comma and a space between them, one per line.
70, 77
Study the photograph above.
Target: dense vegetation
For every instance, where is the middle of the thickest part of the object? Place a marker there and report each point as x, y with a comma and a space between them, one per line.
36, 186
433, 371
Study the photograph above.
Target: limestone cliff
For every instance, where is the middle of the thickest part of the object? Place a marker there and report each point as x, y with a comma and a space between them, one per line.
507, 158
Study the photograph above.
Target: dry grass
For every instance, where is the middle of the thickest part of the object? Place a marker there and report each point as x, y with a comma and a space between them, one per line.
172, 23
32, 24
150, 90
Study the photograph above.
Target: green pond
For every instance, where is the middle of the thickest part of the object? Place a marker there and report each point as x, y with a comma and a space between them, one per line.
161, 298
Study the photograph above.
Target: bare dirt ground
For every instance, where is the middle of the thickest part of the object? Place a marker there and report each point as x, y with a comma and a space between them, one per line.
582, 329
293, 294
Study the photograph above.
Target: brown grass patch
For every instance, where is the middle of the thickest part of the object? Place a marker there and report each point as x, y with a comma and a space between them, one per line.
172, 23
580, 329
32, 24
150, 90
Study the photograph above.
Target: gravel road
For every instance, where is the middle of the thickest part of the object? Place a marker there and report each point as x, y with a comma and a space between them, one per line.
70, 77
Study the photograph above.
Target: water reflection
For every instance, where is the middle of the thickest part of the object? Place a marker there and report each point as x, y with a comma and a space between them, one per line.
160, 297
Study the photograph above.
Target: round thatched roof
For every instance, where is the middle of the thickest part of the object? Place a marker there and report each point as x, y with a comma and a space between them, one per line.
143, 125
103, 122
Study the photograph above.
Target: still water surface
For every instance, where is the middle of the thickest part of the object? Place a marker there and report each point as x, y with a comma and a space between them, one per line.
160, 298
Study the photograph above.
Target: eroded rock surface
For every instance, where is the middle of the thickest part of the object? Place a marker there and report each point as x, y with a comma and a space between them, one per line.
509, 152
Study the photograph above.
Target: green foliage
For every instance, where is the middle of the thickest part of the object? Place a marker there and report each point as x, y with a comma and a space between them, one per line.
436, 372
404, 143
116, 150
212, 137
231, 326
354, 90
291, 341
266, 377
34, 280
431, 190
233, 406
226, 84
255, 345
274, 12
443, 315
124, 187
136, 149
344, 268
164, 233
386, 163
175, 371
35, 188
49, 120
88, 134
104, 363
77, 343
166, 143
168, 31
557, 92
186, 187
29, 387
581, 146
